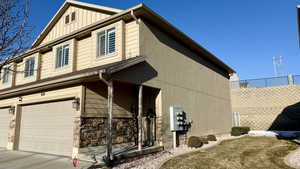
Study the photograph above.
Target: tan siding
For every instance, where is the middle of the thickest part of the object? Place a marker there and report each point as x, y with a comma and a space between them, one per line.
131, 39
96, 100
60, 94
84, 17
49, 95
48, 62
87, 47
84, 53
114, 57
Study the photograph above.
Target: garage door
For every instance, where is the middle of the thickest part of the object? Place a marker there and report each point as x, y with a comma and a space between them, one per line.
4, 123
47, 128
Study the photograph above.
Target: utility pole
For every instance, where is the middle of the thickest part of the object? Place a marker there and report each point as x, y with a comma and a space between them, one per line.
277, 65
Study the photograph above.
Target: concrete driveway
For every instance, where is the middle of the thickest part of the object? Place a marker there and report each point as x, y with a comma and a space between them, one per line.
26, 160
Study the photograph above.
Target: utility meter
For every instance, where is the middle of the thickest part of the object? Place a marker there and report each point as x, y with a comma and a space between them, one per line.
177, 119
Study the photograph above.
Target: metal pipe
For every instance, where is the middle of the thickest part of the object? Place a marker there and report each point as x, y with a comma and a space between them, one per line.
140, 121
109, 84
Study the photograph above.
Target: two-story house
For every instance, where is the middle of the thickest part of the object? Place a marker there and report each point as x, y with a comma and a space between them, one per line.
97, 74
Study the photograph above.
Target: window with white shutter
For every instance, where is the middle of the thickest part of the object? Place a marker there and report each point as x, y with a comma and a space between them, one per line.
29, 67
106, 42
111, 40
6, 75
62, 56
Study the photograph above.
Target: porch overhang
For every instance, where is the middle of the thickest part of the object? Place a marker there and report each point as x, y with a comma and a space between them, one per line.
70, 78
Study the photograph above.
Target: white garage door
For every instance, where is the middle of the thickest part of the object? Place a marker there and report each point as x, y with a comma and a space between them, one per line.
47, 128
4, 123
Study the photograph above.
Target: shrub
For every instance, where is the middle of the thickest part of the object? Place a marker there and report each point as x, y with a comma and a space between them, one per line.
211, 138
237, 131
204, 140
194, 142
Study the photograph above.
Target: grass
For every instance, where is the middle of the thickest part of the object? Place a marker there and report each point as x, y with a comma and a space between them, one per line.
243, 153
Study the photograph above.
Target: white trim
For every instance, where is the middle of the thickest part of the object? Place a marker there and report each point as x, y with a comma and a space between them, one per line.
107, 54
31, 57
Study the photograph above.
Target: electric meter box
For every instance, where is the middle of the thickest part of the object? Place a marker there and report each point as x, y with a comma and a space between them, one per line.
177, 119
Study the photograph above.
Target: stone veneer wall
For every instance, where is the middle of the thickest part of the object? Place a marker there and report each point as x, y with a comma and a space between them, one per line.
93, 131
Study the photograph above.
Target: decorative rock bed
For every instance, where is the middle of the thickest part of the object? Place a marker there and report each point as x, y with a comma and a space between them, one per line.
154, 161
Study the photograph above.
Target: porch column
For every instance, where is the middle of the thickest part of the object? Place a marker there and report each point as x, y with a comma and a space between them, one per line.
109, 119
14, 128
140, 121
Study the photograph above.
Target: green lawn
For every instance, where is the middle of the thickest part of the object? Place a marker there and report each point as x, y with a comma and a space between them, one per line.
243, 153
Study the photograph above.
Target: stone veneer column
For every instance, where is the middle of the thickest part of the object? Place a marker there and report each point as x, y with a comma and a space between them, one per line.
14, 129
158, 105
76, 135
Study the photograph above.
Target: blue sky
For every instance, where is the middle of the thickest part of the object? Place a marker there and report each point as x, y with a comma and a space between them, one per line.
245, 34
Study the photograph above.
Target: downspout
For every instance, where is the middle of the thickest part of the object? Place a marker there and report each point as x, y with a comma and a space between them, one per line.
140, 101
109, 82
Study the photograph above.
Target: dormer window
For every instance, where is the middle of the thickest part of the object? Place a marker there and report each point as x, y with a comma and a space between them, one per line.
67, 19
73, 16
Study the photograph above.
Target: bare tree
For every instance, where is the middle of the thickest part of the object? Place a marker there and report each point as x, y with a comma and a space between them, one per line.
15, 31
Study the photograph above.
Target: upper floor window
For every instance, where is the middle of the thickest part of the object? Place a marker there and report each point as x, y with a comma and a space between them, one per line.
29, 67
67, 19
73, 16
106, 42
6, 75
62, 56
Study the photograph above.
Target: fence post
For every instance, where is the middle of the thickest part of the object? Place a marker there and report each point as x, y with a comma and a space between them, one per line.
290, 79
236, 119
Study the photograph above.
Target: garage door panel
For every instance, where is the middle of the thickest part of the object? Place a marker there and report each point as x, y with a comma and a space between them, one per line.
47, 128
4, 125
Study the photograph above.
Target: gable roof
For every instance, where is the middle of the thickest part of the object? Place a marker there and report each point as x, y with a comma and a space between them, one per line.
139, 11
62, 10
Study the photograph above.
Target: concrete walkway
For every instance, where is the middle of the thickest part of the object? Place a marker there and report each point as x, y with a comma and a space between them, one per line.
26, 160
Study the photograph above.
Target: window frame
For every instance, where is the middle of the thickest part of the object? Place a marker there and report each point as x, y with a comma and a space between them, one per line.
67, 19
30, 72
106, 34
61, 59
6, 75
73, 16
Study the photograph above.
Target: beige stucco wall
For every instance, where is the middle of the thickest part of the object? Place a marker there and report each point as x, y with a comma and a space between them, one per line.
258, 107
185, 80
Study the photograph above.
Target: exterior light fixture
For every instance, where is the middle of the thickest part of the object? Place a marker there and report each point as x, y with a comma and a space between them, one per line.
12, 110
76, 103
